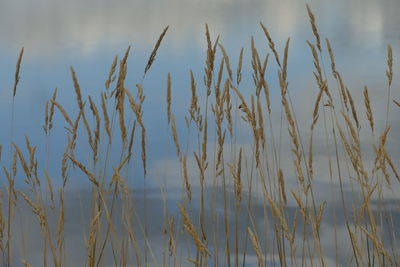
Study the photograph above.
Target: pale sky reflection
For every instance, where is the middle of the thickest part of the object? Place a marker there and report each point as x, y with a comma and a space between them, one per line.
48, 27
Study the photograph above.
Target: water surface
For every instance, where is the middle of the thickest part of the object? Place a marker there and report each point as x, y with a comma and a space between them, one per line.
88, 34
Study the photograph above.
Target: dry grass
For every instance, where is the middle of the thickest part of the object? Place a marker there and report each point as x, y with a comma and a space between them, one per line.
286, 229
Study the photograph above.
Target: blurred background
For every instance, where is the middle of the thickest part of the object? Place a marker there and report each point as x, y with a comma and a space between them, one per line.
88, 34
